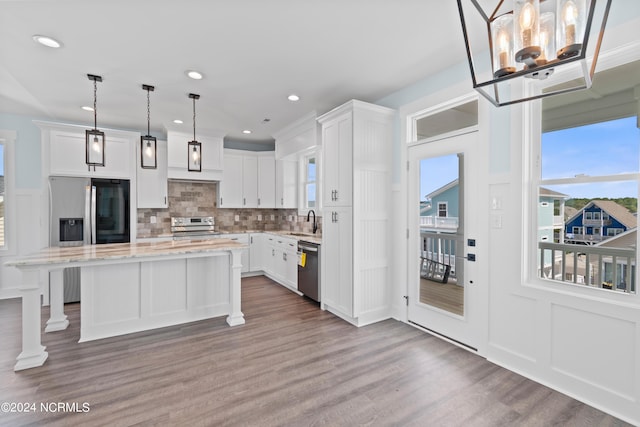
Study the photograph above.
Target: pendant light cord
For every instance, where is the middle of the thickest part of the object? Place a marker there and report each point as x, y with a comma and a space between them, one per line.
194, 118
95, 104
148, 114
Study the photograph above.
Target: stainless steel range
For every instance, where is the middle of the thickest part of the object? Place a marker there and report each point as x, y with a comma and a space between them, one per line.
198, 227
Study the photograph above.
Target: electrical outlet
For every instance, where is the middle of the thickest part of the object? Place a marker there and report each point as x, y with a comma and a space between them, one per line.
152, 219
273, 217
236, 218
259, 217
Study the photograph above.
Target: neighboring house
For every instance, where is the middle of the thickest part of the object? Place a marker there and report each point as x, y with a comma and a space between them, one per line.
551, 216
439, 211
598, 221
621, 275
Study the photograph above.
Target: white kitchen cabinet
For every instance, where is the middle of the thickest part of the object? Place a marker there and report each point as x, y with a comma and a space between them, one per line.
64, 153
286, 184
152, 183
337, 145
356, 256
212, 156
258, 250
266, 180
337, 254
245, 254
248, 180
230, 188
282, 262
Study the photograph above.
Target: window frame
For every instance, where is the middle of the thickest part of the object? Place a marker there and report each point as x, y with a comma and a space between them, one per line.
303, 158
530, 130
7, 139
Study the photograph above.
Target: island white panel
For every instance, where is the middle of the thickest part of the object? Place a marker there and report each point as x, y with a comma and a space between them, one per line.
168, 287
114, 293
208, 290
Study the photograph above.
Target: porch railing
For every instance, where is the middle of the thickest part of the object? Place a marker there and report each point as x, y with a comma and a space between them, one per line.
439, 248
608, 268
444, 222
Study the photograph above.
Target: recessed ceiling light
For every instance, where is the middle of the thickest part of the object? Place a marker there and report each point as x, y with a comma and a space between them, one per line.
178, 121
47, 41
195, 75
247, 131
87, 108
293, 97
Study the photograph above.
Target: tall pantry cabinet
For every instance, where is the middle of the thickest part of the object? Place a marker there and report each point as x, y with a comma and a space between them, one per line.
357, 151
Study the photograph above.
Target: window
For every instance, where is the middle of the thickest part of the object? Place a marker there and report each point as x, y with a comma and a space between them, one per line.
442, 209
309, 190
7, 233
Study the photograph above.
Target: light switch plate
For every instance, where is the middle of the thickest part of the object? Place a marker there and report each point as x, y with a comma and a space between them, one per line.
236, 218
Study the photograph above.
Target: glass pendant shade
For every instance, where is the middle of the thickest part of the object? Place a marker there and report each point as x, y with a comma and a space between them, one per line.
148, 145
148, 152
94, 144
194, 148
527, 27
510, 40
94, 147
571, 25
195, 156
502, 37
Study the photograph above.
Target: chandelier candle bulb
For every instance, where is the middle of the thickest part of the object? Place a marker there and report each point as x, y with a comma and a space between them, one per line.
571, 18
527, 27
502, 29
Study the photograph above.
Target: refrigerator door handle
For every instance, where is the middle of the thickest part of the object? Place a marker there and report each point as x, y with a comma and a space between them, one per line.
94, 216
89, 237
87, 216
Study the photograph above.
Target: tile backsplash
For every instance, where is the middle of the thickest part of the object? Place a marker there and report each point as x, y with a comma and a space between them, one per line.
194, 198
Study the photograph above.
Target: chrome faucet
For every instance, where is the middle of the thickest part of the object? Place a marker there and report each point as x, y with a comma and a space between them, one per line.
315, 224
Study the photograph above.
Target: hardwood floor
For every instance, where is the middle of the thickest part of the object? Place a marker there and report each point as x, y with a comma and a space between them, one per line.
290, 364
446, 296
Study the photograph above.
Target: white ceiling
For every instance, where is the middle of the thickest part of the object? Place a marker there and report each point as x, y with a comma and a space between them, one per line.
253, 53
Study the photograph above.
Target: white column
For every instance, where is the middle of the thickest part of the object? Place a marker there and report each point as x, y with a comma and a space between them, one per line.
33, 352
57, 319
236, 317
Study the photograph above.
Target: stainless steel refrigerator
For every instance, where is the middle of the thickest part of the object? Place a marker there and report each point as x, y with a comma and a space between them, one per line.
86, 211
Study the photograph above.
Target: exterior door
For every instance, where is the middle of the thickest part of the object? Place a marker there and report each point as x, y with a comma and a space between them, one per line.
444, 292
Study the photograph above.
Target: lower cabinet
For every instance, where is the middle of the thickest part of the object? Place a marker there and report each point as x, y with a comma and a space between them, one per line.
281, 263
275, 255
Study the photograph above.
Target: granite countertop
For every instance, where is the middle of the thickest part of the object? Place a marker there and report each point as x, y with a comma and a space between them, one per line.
115, 251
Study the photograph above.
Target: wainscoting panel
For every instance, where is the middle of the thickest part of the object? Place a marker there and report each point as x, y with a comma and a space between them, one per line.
605, 356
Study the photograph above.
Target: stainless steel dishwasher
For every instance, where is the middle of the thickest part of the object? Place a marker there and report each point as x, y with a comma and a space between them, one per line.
309, 275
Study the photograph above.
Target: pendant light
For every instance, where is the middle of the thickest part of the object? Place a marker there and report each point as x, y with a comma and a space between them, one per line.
532, 39
94, 147
148, 144
194, 148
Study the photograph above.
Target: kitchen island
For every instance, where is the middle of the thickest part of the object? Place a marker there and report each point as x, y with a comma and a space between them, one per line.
130, 287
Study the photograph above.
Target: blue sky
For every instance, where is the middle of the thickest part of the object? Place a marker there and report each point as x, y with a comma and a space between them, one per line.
607, 148
436, 172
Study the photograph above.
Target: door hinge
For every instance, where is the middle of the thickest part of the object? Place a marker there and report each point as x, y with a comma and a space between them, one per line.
406, 297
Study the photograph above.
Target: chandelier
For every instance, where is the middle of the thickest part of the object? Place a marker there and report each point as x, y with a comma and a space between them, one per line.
531, 39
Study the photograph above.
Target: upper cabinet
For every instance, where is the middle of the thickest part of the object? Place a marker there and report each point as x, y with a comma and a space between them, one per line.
152, 183
64, 153
286, 184
211, 155
248, 180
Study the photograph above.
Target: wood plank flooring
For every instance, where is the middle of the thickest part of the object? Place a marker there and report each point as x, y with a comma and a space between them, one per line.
446, 296
291, 364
